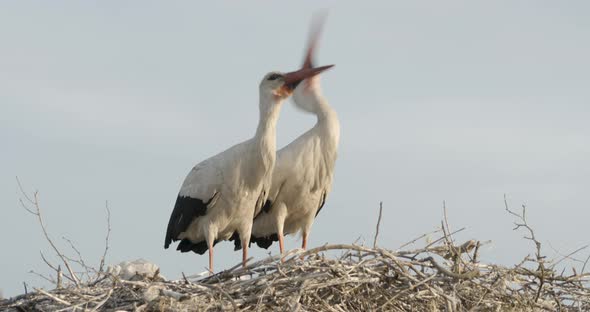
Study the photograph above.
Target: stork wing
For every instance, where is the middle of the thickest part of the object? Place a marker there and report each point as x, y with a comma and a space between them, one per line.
199, 192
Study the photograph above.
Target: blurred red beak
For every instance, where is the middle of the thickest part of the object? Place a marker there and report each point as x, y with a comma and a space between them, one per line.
292, 79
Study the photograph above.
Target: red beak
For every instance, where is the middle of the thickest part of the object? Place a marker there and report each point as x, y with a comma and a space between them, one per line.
292, 79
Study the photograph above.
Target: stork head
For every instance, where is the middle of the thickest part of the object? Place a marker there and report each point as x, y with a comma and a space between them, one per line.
280, 85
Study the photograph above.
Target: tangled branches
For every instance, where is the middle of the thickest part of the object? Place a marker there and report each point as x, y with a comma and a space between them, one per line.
441, 276
433, 278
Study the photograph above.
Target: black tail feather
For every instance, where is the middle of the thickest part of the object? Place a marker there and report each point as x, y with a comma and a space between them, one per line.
186, 245
264, 241
237, 242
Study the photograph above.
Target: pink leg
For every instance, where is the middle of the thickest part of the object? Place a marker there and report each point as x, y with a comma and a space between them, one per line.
304, 244
210, 259
281, 246
244, 253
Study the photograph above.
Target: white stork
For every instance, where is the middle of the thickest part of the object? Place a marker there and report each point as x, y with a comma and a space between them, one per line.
302, 178
221, 195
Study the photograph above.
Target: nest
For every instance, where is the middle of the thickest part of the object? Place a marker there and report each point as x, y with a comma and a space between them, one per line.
439, 277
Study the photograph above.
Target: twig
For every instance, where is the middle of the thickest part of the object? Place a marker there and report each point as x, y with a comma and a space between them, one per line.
539, 258
441, 269
568, 256
106, 244
49, 279
524, 224
80, 260
585, 263
419, 237
446, 224
59, 277
378, 223
223, 292
186, 281
52, 296
475, 252
101, 303
57, 270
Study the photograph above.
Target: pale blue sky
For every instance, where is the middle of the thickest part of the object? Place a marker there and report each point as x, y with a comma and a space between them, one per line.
460, 101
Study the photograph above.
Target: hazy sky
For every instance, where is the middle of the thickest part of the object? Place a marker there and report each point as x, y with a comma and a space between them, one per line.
460, 101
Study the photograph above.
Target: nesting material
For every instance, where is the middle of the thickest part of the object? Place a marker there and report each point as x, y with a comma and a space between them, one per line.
439, 277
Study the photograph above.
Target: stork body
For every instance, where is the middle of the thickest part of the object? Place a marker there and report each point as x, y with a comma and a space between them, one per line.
303, 173
221, 195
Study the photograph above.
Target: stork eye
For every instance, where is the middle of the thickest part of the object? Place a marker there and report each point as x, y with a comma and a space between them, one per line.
274, 77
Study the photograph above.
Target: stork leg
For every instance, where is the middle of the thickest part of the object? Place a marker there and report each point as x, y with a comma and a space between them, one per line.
244, 253
280, 229
304, 243
210, 239
210, 259
281, 246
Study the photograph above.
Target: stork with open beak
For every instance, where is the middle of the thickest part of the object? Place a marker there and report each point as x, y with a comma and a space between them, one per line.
221, 195
302, 178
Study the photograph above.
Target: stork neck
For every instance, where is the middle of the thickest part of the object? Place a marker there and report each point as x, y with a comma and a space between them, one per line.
322, 109
327, 119
269, 115
325, 112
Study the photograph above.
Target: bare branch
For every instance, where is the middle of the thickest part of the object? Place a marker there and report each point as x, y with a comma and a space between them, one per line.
378, 223
59, 277
419, 237
80, 260
106, 244
585, 263
26, 207
568, 256
441, 269
24, 194
47, 278
47, 262
449, 237
52, 297
522, 223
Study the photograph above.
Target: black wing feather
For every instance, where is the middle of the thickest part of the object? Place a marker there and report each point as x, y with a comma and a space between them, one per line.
185, 211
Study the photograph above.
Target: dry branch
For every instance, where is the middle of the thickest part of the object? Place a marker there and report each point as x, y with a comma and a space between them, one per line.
378, 224
106, 243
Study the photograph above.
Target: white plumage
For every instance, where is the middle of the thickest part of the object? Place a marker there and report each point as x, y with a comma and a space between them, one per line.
303, 173
221, 195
